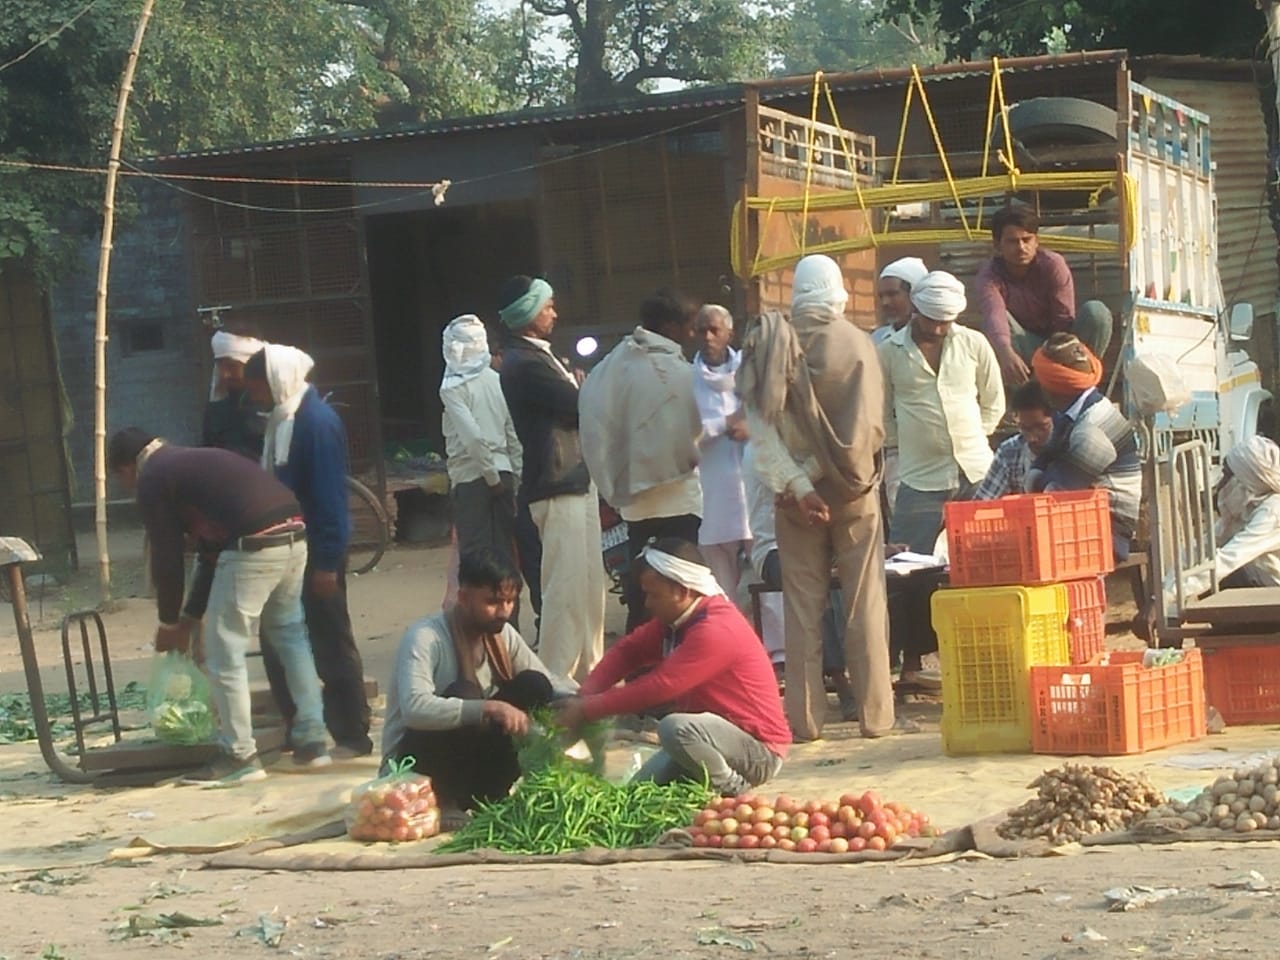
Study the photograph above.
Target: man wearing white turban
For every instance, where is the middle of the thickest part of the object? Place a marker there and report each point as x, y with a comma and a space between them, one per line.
943, 397
703, 657
813, 391
893, 294
1248, 520
306, 447
230, 420
483, 453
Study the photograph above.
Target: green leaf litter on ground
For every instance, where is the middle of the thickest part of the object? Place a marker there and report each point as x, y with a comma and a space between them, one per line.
17, 725
165, 927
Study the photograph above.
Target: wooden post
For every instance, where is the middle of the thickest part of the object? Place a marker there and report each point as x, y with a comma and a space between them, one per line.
100, 320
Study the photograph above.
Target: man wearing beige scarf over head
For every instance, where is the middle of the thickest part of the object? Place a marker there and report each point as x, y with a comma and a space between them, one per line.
815, 406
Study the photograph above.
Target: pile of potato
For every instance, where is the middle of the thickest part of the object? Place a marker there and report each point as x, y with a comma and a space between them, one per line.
1247, 800
1076, 800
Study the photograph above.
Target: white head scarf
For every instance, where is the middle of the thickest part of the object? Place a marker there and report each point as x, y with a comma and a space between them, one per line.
692, 576
228, 346
939, 296
1255, 475
466, 350
818, 282
910, 270
287, 369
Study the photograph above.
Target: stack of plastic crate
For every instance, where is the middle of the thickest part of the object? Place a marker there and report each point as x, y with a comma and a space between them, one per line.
1026, 590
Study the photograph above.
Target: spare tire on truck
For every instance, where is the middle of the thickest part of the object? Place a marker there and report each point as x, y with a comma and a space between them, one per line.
1043, 123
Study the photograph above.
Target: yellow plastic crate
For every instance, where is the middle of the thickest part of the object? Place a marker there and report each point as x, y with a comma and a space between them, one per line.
988, 640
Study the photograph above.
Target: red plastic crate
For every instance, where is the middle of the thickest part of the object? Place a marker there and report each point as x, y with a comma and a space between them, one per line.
1030, 539
1118, 708
1087, 618
1242, 681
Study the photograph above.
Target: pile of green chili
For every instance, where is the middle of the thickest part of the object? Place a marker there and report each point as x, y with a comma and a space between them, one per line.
559, 809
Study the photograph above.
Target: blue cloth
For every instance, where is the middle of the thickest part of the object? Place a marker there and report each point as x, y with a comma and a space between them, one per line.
317, 475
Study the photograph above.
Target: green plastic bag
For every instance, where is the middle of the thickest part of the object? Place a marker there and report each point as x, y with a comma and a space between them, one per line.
179, 704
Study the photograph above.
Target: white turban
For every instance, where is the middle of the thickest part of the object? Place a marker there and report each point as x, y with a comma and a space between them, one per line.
910, 270
939, 296
818, 282
228, 346
691, 576
466, 350
287, 369
1256, 462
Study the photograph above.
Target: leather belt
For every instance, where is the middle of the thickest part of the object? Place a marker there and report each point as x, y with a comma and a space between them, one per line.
281, 535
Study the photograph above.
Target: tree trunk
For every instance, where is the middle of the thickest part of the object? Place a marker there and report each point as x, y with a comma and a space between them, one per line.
592, 81
100, 318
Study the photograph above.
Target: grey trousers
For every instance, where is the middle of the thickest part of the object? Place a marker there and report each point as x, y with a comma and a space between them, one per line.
692, 743
1093, 326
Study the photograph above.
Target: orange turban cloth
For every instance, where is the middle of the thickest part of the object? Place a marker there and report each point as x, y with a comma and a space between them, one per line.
1064, 366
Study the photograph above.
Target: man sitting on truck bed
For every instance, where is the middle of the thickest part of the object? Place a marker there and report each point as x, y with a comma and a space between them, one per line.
1093, 444
1026, 294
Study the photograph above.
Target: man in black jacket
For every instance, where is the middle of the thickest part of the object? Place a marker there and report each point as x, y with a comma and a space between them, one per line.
543, 398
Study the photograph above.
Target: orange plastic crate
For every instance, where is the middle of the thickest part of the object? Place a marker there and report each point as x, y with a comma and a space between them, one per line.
1242, 681
1030, 539
1087, 618
1118, 708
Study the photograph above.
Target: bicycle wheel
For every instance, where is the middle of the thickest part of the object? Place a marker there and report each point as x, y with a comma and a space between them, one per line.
370, 528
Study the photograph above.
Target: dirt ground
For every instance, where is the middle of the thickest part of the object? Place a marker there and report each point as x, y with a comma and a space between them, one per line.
81, 905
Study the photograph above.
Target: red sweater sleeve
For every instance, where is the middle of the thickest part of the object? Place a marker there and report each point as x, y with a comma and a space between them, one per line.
698, 658
641, 648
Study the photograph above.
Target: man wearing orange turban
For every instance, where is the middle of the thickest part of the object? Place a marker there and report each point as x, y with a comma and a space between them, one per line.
1094, 445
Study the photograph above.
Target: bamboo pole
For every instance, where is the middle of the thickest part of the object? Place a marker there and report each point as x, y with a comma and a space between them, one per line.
100, 318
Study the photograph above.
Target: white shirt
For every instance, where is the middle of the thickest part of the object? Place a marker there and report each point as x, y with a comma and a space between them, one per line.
1255, 549
724, 500
940, 420
545, 347
479, 437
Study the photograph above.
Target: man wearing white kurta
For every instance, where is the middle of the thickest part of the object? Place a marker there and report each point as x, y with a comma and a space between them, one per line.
725, 532
943, 398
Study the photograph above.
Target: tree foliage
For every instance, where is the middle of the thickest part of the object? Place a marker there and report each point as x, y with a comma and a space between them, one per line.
623, 47
851, 35
976, 29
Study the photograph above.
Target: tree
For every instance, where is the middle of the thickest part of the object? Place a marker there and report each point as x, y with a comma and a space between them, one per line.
977, 29
850, 35
623, 47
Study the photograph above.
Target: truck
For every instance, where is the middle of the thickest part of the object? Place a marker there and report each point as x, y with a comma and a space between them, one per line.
1130, 186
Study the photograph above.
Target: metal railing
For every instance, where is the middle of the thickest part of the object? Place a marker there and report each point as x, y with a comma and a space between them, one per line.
1182, 524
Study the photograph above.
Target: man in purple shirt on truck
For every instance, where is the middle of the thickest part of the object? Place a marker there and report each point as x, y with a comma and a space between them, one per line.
1026, 295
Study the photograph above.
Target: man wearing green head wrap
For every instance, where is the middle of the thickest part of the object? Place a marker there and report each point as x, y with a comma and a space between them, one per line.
543, 398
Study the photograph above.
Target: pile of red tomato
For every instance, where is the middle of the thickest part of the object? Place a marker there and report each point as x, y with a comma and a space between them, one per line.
396, 810
858, 822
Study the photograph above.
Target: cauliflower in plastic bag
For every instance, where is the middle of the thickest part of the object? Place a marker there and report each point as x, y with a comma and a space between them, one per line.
178, 701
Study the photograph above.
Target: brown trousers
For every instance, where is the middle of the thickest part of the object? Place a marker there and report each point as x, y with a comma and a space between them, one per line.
854, 542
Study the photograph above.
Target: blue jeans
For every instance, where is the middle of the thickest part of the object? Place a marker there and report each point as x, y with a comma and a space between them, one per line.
252, 587
918, 515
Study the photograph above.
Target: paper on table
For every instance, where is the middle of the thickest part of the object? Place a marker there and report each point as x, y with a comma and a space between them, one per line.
908, 562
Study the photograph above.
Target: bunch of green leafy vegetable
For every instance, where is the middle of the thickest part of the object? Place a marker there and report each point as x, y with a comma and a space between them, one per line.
545, 744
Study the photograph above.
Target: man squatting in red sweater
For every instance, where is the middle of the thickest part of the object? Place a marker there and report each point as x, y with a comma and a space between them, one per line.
707, 661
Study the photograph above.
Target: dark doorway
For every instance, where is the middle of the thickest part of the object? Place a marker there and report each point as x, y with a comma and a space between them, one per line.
425, 269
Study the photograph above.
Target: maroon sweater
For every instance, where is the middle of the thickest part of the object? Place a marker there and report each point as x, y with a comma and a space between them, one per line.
213, 496
716, 664
1043, 301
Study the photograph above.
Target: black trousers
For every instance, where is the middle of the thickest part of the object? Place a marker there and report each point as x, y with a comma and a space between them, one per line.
333, 645
684, 527
470, 764
832, 618
485, 519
